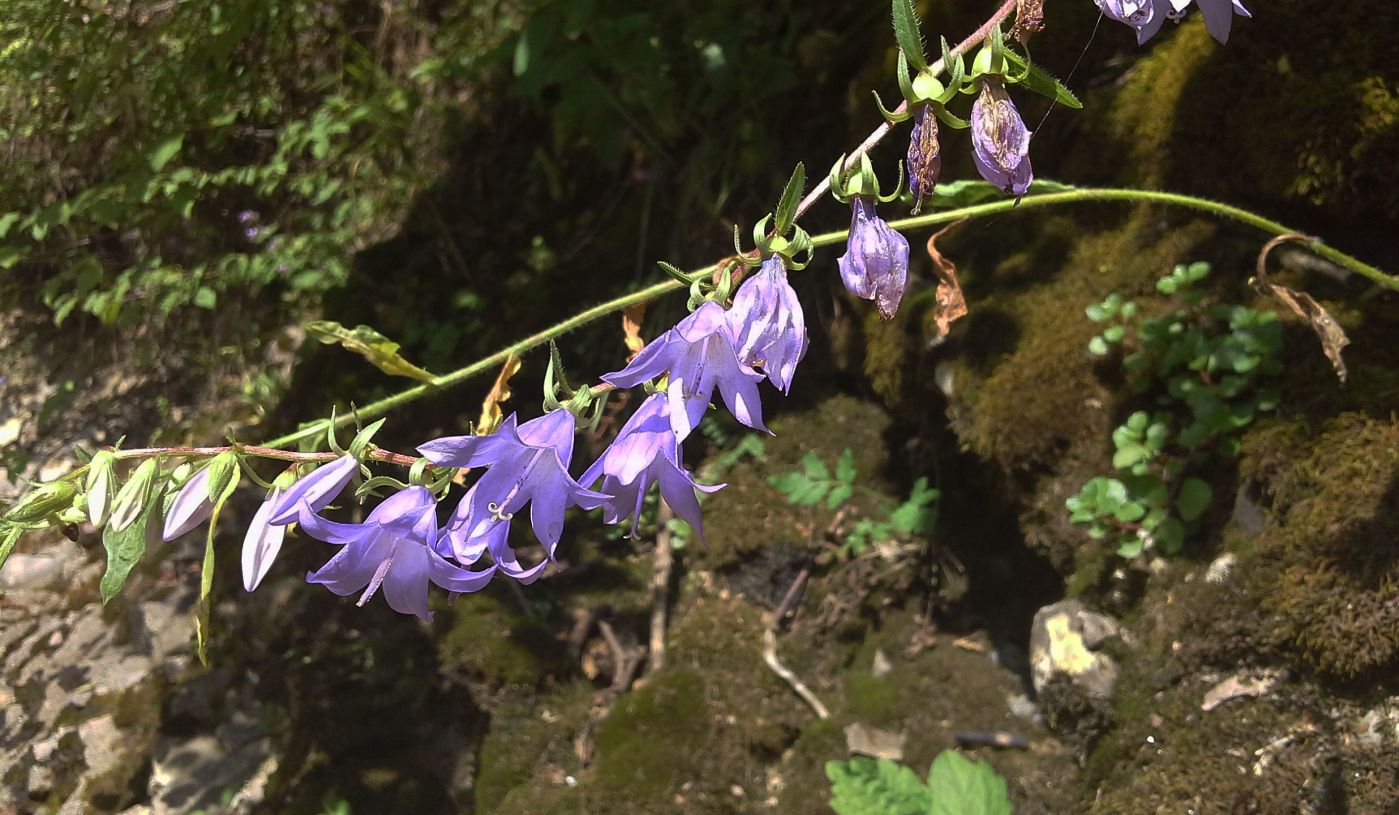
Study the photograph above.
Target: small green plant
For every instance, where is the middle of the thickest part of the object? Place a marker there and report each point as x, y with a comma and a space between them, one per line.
956, 785
1203, 367
815, 484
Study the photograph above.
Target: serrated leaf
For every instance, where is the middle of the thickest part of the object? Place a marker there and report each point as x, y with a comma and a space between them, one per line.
1042, 82
814, 467
1194, 499
865, 786
164, 151
960, 786
838, 495
908, 34
845, 467
786, 213
370, 344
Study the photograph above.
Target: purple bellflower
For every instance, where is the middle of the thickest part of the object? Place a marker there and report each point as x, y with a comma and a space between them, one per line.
1147, 16
1218, 14
875, 263
392, 549
646, 452
315, 491
1000, 140
700, 353
768, 324
191, 507
924, 156
262, 542
526, 464
475, 530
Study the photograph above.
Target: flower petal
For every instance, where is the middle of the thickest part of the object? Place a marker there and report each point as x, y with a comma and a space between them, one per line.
261, 543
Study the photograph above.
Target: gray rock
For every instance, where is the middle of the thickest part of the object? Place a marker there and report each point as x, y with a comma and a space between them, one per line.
1064, 639
23, 571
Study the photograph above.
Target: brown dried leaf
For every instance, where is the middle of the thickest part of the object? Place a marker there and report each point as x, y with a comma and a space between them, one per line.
952, 304
1333, 338
632, 317
500, 392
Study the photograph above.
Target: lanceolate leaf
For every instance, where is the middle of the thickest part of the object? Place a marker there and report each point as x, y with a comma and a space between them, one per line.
206, 572
381, 351
1041, 82
908, 35
786, 214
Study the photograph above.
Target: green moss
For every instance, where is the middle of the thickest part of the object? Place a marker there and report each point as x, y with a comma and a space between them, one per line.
482, 638
526, 733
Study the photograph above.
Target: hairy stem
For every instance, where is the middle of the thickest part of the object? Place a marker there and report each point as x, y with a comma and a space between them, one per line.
1029, 202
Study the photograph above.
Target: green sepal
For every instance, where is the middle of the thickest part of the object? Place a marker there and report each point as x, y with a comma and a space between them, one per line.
223, 473
838, 173
372, 486
253, 476
362, 439
556, 379
891, 116
127, 544
905, 78
955, 66
1041, 82
330, 440
417, 473
134, 496
950, 119
908, 34
675, 272
760, 232
786, 213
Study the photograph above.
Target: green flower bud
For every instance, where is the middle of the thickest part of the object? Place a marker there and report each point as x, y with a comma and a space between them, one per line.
134, 495
101, 480
43, 501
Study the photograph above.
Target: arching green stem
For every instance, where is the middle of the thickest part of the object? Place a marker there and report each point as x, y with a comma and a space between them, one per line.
1029, 202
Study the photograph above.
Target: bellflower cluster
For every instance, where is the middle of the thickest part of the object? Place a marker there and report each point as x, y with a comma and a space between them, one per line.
875, 263
1147, 16
1000, 140
699, 354
768, 325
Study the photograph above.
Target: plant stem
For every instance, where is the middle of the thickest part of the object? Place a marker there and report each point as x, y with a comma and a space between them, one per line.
1028, 202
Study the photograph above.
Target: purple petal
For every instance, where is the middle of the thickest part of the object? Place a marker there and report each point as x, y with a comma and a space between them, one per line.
472, 450
261, 543
316, 490
405, 584
191, 507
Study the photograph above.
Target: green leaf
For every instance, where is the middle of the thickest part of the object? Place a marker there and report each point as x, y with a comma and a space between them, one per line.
786, 213
1169, 536
370, 344
164, 151
221, 488
960, 786
970, 192
814, 468
845, 467
1194, 499
1130, 454
1042, 82
908, 34
1167, 285
1129, 547
7, 544
1114, 333
838, 495
1098, 347
126, 546
206, 298
864, 786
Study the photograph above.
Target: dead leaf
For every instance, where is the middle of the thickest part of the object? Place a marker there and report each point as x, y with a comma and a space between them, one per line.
500, 392
952, 304
1333, 338
1241, 685
381, 351
632, 317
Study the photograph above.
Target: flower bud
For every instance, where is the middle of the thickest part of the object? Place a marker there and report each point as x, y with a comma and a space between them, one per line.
131, 501
262, 542
101, 479
43, 501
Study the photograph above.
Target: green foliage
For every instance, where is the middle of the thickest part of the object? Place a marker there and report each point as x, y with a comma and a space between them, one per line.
1204, 368
956, 786
815, 484
381, 351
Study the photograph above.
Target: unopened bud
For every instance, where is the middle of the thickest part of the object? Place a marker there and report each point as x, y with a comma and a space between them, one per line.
43, 501
131, 501
101, 478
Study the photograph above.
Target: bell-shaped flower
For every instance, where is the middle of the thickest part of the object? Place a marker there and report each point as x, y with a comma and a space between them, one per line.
646, 452
475, 530
700, 353
316, 490
1000, 140
924, 156
875, 263
192, 506
1219, 15
768, 324
262, 542
528, 464
392, 549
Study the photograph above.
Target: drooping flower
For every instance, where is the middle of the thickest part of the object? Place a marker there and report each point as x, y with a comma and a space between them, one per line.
768, 324
262, 542
875, 263
646, 452
528, 464
392, 549
700, 353
924, 156
1219, 15
1000, 140
475, 530
1147, 16
316, 490
191, 507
